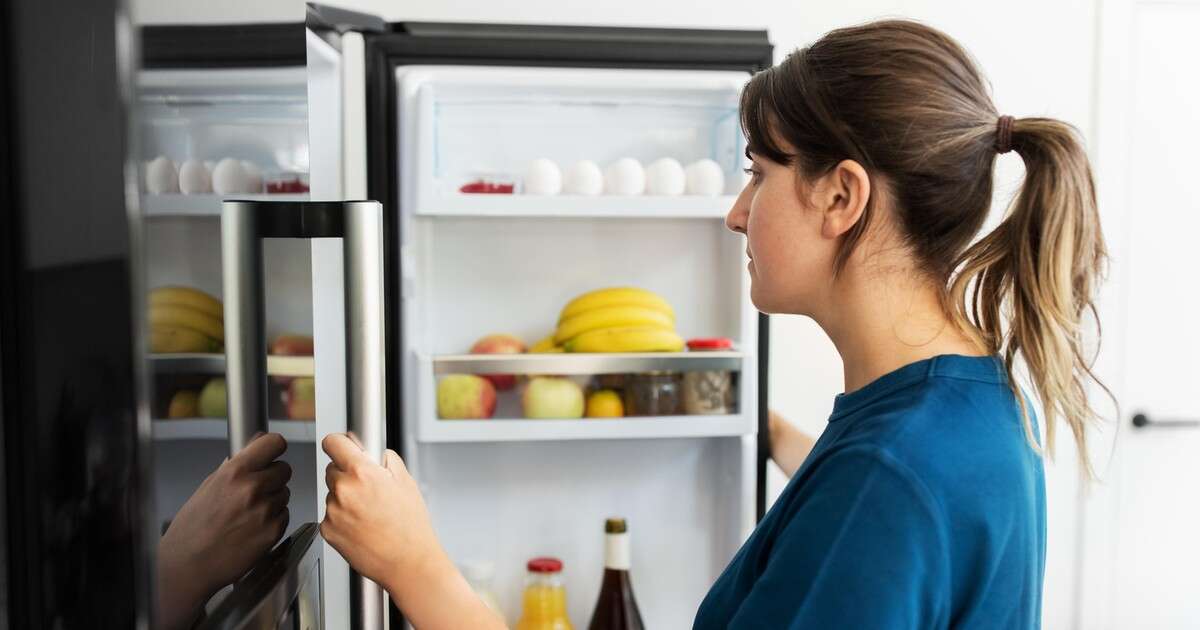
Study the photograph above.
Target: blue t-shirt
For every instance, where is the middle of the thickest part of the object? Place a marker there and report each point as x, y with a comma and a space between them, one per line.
922, 505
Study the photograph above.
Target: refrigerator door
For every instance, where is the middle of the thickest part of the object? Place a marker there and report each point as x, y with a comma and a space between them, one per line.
244, 225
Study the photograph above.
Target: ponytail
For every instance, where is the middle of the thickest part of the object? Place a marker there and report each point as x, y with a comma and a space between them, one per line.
1025, 287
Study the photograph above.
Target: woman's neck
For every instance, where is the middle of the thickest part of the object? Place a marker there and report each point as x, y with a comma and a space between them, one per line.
881, 321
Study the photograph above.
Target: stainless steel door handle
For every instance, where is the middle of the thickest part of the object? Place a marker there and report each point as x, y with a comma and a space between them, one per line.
360, 224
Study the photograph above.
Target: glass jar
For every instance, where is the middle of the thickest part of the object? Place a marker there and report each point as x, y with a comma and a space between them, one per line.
545, 599
652, 394
708, 392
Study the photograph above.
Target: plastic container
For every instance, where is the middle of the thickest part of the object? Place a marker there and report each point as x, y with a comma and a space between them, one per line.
545, 599
652, 394
708, 393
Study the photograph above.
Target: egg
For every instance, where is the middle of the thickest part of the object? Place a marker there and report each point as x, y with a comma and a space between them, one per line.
625, 177
194, 179
252, 177
665, 176
161, 176
583, 178
228, 177
705, 177
543, 177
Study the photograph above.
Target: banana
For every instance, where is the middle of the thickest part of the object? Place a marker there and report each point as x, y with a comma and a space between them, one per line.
544, 346
168, 338
627, 339
187, 296
618, 296
611, 317
187, 317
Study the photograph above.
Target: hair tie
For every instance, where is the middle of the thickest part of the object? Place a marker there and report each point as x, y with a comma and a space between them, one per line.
1004, 134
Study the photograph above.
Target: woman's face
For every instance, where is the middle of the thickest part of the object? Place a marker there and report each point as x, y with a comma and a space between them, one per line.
791, 259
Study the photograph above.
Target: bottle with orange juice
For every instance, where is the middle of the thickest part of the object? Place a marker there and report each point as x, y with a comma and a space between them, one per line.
545, 599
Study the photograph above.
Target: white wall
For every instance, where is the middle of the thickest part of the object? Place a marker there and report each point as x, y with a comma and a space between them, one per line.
1038, 55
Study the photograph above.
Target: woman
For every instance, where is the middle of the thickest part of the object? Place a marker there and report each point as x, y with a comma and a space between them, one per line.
922, 504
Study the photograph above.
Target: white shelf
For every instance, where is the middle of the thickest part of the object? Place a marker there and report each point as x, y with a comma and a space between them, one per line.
179, 205
198, 363
567, 206
586, 363
648, 427
302, 431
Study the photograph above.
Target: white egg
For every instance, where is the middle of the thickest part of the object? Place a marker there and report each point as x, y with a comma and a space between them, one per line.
664, 176
228, 177
543, 177
161, 176
194, 178
625, 177
583, 178
252, 177
705, 177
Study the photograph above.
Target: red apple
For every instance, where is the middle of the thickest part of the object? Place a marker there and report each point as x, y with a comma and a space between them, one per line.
465, 396
500, 344
301, 398
291, 346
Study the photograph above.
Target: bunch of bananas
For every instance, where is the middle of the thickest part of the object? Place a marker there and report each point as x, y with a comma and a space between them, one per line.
621, 319
183, 319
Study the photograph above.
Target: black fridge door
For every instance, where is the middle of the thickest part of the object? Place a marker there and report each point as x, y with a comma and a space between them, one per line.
74, 451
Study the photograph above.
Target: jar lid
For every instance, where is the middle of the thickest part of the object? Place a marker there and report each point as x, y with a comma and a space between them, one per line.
545, 565
710, 343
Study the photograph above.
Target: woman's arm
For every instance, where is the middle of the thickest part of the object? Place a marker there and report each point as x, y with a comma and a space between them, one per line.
789, 445
375, 517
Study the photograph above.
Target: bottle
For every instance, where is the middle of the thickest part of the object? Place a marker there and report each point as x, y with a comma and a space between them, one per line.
545, 600
616, 608
479, 575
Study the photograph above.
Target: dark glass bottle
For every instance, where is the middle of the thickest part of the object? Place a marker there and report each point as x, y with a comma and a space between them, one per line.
616, 609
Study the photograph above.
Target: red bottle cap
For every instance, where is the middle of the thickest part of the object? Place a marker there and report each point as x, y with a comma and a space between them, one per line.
714, 343
544, 565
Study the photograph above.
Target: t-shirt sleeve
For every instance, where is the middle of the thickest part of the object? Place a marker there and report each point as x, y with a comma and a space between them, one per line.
864, 548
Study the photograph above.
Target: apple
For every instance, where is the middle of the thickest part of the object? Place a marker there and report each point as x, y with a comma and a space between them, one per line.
552, 397
465, 396
301, 399
500, 344
291, 346
213, 403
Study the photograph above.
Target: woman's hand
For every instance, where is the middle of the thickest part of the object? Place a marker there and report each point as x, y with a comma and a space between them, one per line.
789, 445
375, 517
236, 515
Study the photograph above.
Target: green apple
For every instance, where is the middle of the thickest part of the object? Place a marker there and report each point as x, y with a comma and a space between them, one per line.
302, 399
213, 403
552, 397
465, 396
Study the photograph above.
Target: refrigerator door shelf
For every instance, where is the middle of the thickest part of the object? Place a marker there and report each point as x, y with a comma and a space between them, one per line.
574, 206
641, 428
197, 363
294, 431
586, 364
202, 205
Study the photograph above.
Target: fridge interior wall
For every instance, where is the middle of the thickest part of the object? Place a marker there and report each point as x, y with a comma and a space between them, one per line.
259, 115
476, 264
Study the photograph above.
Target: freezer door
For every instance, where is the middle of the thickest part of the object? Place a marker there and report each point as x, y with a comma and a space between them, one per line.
359, 226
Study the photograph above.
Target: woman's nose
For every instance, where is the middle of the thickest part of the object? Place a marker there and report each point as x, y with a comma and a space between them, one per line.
736, 219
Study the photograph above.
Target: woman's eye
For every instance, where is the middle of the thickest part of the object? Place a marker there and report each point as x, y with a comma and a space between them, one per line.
754, 175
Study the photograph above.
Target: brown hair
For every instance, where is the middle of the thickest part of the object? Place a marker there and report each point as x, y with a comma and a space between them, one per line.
906, 102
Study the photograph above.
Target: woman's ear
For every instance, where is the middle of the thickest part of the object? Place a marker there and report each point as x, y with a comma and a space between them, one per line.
843, 198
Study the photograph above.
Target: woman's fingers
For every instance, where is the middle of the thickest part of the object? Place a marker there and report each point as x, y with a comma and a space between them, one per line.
342, 450
261, 451
395, 465
332, 475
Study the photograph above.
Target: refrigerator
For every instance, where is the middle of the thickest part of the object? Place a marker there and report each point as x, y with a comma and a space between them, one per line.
430, 112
